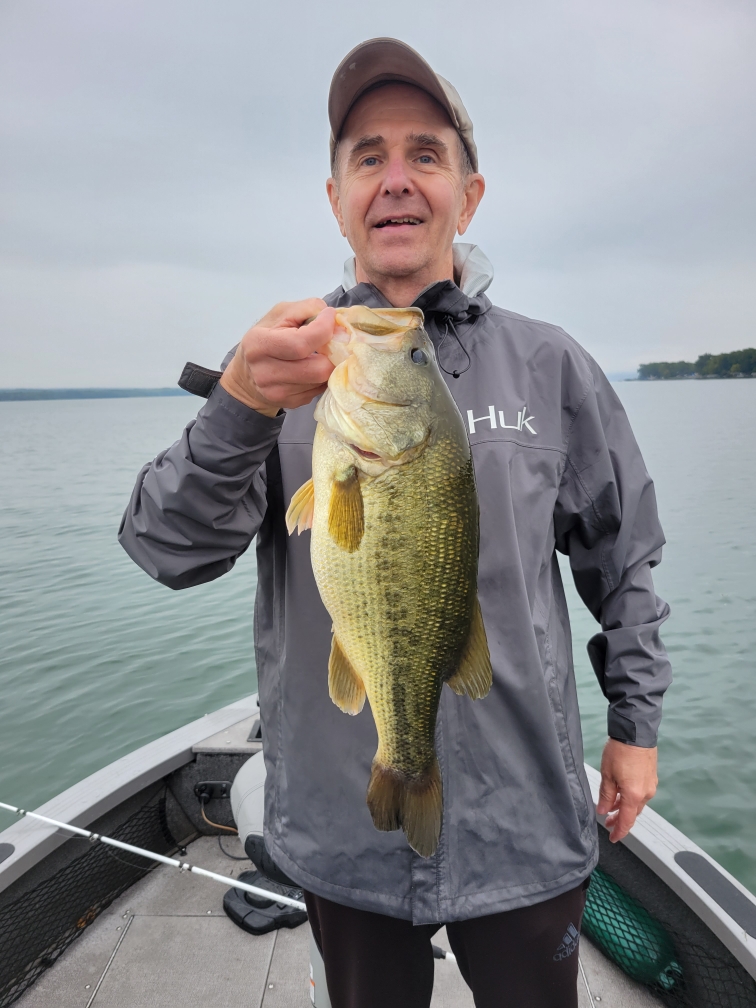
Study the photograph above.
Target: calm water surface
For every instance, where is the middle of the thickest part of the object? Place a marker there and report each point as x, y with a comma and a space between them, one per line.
96, 659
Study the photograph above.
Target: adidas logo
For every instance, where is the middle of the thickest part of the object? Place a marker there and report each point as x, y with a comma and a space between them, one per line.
569, 943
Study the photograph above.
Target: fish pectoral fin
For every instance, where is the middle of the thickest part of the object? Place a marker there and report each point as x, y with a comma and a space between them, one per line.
415, 804
345, 687
474, 676
346, 514
302, 509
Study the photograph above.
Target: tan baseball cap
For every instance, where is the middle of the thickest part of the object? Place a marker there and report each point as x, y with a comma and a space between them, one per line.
388, 59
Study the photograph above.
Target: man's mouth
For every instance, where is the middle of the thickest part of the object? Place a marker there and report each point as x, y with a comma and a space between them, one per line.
397, 221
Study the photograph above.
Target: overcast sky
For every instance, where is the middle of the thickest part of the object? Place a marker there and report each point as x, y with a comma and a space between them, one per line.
164, 163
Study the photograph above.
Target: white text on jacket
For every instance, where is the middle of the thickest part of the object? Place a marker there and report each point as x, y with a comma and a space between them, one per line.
523, 420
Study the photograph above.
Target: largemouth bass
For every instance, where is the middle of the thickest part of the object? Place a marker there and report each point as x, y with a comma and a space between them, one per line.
394, 518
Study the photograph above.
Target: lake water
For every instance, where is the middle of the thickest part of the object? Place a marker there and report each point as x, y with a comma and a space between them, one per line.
96, 659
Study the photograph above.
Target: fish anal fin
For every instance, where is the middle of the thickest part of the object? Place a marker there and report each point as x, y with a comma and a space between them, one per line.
345, 687
301, 509
346, 515
474, 676
412, 804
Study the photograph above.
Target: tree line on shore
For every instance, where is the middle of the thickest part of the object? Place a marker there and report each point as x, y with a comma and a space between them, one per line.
725, 365
27, 394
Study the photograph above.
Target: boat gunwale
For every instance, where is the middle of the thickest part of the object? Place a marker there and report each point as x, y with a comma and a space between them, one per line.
104, 790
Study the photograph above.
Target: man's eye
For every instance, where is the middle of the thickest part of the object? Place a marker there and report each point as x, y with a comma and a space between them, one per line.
370, 162
425, 159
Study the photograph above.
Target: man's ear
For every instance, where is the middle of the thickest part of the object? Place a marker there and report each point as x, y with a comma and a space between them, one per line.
475, 186
333, 198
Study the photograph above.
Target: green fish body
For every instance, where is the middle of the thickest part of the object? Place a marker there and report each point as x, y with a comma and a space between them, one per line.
394, 518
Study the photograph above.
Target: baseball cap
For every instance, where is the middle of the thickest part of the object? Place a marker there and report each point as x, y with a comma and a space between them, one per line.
388, 59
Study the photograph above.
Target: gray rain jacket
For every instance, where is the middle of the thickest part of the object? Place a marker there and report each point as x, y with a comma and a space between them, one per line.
557, 468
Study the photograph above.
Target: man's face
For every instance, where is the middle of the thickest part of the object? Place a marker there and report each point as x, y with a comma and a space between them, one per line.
401, 194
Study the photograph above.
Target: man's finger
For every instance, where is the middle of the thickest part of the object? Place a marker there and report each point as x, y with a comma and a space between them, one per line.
302, 399
290, 344
624, 821
292, 313
295, 375
607, 807
608, 796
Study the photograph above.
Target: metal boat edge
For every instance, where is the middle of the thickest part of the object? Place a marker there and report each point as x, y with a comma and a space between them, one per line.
112, 786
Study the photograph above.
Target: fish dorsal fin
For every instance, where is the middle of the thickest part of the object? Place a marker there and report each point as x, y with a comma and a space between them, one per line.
474, 676
346, 515
345, 687
302, 509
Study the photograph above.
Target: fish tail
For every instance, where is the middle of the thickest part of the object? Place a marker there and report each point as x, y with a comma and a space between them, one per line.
411, 803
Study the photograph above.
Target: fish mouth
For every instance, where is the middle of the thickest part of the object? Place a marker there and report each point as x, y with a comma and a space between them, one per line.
399, 221
370, 456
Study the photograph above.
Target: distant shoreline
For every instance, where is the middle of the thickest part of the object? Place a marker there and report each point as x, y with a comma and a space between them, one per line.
38, 395
735, 364
29, 394
697, 377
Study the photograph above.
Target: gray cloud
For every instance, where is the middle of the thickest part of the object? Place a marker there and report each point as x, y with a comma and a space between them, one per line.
164, 164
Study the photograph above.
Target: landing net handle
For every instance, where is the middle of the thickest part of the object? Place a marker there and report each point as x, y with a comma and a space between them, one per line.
183, 866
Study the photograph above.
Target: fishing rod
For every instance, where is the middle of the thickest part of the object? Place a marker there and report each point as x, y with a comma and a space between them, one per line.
183, 866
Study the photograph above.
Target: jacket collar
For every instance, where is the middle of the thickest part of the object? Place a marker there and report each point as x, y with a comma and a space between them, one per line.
459, 301
472, 270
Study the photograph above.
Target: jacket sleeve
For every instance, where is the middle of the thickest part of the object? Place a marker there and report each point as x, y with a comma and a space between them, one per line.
196, 508
606, 521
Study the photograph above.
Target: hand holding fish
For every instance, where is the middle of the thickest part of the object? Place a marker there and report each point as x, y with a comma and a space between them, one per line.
276, 364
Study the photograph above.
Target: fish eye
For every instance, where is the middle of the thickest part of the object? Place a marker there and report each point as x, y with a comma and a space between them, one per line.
419, 356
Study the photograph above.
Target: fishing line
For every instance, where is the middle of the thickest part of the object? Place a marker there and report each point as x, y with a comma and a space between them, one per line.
182, 866
114, 856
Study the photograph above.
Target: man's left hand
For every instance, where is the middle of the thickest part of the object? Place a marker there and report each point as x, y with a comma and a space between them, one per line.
628, 781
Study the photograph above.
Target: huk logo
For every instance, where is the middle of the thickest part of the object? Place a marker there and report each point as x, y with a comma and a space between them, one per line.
523, 420
569, 943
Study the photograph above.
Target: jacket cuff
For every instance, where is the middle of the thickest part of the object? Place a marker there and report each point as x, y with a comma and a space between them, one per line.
230, 439
242, 424
622, 729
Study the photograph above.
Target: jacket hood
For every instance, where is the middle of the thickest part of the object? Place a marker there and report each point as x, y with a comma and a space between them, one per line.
460, 301
472, 270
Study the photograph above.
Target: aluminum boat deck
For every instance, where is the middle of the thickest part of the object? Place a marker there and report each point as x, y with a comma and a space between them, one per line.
167, 943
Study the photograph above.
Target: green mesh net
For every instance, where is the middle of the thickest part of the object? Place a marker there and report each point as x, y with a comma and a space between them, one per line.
629, 935
669, 960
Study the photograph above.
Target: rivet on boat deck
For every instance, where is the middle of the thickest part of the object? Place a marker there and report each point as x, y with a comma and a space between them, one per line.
177, 952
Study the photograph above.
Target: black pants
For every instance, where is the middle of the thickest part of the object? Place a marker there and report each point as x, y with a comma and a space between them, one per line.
525, 958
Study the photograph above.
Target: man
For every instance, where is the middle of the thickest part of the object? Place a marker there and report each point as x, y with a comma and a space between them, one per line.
556, 467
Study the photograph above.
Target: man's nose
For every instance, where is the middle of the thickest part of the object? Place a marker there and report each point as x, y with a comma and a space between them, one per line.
397, 180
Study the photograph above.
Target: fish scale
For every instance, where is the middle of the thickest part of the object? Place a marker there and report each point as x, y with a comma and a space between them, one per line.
403, 659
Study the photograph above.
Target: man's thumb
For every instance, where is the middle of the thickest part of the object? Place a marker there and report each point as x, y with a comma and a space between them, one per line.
607, 796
